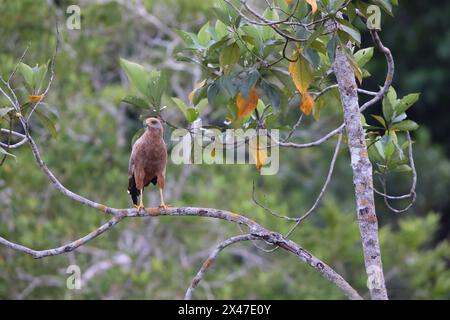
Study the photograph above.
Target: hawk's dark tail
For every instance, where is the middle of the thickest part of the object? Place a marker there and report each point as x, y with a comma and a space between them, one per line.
132, 190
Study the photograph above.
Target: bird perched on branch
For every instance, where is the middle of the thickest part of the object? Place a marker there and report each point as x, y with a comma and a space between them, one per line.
147, 162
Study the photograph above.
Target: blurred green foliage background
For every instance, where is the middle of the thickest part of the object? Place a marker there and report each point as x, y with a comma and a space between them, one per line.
157, 257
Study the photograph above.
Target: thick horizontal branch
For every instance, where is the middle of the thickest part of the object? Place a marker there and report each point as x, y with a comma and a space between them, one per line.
255, 230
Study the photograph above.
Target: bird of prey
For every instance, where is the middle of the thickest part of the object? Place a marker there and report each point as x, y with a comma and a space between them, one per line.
147, 162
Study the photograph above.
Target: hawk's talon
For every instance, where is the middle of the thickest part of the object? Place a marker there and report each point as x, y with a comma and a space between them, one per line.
164, 206
138, 207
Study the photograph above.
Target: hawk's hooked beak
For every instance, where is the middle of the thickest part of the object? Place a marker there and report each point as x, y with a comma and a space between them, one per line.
145, 125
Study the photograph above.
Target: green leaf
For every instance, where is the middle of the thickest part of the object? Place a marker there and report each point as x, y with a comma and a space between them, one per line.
229, 57
190, 114
201, 105
4, 111
352, 32
380, 148
385, 4
27, 73
188, 38
363, 56
388, 146
406, 102
380, 120
3, 151
227, 83
255, 33
356, 69
407, 125
218, 44
267, 32
39, 75
213, 90
200, 95
273, 94
247, 83
221, 29
401, 168
203, 35
183, 107
136, 101
137, 75
331, 48
392, 96
46, 122
156, 85
284, 78
312, 56
389, 101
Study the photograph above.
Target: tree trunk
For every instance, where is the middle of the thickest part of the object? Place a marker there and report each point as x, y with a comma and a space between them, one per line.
362, 176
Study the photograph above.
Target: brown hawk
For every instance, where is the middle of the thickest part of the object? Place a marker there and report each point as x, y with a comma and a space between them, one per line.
147, 162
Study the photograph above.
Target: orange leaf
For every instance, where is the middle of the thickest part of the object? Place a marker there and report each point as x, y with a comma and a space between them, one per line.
247, 106
313, 5
307, 104
258, 151
34, 98
288, 1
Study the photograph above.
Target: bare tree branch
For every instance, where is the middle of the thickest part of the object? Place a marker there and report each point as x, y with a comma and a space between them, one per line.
37, 254
412, 193
210, 260
14, 133
389, 75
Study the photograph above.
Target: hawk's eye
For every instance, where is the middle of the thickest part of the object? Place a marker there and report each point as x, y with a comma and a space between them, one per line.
154, 122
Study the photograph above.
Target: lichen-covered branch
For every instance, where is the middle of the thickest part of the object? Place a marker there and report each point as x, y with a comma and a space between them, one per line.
37, 254
362, 174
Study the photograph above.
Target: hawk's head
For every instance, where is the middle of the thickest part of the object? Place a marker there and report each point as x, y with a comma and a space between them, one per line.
153, 124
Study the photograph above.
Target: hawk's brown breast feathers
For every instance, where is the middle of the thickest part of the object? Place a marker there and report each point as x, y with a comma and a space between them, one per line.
148, 159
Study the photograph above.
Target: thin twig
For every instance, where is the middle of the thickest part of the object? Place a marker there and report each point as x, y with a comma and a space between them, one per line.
17, 64
294, 128
412, 193
210, 260
390, 72
13, 133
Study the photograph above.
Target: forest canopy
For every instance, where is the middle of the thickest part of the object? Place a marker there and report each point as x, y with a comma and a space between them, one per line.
199, 64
